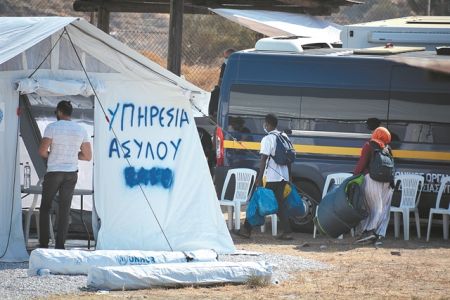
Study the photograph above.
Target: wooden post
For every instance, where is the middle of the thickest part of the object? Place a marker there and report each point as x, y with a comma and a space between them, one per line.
103, 19
175, 36
92, 18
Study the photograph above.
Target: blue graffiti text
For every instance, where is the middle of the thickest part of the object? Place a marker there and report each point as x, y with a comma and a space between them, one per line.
136, 116
160, 150
163, 177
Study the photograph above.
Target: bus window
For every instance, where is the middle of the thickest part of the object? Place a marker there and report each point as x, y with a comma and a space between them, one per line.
413, 132
254, 125
420, 117
250, 103
238, 128
259, 100
419, 107
341, 110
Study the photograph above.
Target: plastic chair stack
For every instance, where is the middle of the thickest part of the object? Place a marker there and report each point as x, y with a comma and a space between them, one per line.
445, 212
332, 180
245, 179
411, 187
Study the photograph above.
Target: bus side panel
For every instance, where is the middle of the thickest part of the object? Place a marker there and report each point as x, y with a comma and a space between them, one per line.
338, 94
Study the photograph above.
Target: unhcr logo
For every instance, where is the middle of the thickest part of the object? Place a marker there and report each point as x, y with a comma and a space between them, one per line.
122, 260
134, 260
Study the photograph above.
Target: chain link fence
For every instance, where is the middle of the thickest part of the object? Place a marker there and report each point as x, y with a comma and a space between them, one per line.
206, 36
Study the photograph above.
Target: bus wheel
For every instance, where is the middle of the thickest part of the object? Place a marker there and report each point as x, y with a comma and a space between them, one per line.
311, 195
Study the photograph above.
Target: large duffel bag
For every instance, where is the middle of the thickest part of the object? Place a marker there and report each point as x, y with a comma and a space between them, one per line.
293, 204
342, 208
261, 204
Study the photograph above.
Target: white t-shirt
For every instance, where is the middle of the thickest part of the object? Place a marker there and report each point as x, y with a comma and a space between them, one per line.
274, 172
67, 137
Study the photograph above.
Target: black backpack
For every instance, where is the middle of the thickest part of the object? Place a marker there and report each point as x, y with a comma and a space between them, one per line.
284, 151
381, 167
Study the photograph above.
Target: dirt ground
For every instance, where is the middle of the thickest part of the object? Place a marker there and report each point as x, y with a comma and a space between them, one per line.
398, 269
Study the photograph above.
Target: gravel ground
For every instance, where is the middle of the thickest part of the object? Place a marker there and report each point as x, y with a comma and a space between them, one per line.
16, 284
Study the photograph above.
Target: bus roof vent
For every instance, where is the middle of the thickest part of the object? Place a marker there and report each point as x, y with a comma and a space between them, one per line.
292, 44
282, 43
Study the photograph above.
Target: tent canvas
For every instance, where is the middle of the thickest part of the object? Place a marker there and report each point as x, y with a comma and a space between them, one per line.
152, 186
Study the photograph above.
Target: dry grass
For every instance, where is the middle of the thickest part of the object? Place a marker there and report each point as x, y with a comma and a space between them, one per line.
203, 76
255, 282
421, 271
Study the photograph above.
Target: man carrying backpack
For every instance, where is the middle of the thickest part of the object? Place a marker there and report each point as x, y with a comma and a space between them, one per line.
377, 164
277, 154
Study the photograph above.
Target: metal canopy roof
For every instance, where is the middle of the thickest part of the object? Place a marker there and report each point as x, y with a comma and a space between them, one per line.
313, 7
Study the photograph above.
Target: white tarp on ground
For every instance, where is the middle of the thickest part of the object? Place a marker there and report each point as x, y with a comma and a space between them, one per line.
173, 275
149, 110
274, 23
72, 262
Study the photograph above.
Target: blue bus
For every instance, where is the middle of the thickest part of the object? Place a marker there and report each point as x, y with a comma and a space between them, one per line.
323, 98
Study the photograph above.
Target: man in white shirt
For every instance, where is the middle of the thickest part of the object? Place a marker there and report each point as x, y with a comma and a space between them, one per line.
63, 144
277, 176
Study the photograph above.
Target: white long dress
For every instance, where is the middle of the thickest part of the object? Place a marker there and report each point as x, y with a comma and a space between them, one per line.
378, 196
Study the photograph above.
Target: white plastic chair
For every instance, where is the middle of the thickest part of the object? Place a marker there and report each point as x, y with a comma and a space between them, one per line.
336, 179
274, 221
411, 187
445, 212
32, 211
245, 179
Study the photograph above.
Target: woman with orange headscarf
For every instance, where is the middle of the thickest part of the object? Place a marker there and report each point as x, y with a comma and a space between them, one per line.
378, 195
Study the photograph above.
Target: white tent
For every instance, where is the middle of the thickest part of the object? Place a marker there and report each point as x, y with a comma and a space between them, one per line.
152, 186
276, 23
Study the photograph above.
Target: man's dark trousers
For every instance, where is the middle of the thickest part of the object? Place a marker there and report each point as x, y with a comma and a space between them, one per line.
54, 182
278, 189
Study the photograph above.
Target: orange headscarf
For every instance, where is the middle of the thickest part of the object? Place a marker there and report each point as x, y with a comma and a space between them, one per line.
381, 136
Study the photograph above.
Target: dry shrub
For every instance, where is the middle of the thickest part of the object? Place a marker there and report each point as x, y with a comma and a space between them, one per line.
203, 76
255, 282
